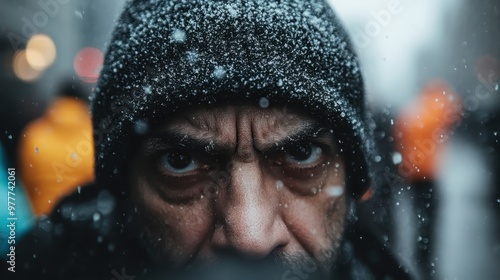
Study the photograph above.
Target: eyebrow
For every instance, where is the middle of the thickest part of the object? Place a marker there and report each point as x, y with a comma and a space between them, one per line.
307, 132
175, 139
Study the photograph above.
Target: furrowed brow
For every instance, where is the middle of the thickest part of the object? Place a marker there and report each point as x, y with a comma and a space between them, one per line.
175, 140
311, 131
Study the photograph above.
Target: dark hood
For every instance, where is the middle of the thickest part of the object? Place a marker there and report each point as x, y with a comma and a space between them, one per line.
166, 56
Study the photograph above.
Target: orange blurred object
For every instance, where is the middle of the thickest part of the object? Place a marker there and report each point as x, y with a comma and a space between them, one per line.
57, 153
421, 129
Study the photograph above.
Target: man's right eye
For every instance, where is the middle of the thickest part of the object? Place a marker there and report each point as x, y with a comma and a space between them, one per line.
178, 162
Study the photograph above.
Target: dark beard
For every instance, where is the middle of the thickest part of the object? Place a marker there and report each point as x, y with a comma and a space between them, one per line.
233, 267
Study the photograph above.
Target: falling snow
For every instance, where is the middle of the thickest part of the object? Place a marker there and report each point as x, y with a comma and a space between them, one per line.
279, 185
178, 36
141, 127
397, 158
219, 72
334, 191
264, 102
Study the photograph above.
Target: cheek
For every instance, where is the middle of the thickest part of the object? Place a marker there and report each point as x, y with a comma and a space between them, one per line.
311, 224
317, 221
176, 232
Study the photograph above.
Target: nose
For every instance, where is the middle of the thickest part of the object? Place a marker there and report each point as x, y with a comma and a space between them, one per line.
248, 218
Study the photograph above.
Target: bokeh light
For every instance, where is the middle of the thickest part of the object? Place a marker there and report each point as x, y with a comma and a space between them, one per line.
22, 69
40, 52
88, 63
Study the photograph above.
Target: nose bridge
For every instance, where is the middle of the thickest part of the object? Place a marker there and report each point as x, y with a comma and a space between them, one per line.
252, 224
249, 210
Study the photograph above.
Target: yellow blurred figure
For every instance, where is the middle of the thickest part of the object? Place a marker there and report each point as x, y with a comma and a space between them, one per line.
56, 152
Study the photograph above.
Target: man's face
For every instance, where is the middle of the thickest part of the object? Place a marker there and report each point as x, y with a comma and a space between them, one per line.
255, 183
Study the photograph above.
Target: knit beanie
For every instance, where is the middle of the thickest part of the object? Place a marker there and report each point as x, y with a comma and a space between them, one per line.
166, 56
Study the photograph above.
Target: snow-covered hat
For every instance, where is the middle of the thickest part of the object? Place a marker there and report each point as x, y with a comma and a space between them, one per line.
168, 55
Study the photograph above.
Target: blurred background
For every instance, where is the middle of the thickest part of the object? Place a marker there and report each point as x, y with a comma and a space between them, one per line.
432, 76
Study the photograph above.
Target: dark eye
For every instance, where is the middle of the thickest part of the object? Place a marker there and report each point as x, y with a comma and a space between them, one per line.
305, 153
178, 162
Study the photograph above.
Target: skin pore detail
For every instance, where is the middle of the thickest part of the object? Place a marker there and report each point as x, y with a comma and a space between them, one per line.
244, 181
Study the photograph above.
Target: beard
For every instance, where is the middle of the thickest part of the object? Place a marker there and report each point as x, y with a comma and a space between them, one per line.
230, 266
274, 266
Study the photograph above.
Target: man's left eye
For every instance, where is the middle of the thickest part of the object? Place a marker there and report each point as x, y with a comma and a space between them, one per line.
178, 162
305, 153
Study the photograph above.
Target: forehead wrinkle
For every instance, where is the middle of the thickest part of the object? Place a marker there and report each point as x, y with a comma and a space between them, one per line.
244, 133
206, 124
223, 125
202, 120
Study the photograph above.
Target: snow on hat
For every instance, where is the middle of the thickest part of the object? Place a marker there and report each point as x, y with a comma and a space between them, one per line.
166, 56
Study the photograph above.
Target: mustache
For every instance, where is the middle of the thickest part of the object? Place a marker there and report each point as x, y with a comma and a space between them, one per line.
290, 267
